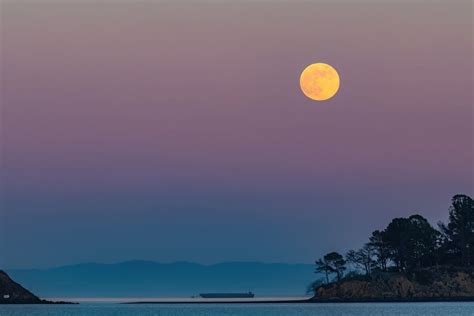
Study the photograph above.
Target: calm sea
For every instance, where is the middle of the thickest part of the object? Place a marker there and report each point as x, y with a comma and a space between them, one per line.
360, 309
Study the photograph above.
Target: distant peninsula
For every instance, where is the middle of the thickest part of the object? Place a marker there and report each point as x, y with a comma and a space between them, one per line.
13, 293
407, 261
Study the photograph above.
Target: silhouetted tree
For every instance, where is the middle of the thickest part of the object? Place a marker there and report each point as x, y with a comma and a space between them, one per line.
411, 242
379, 245
323, 266
423, 242
332, 262
459, 232
361, 258
337, 263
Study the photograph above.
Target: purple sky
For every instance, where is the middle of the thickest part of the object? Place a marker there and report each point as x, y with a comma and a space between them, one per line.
177, 130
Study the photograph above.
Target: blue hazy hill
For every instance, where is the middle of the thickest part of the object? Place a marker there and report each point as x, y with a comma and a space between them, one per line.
145, 279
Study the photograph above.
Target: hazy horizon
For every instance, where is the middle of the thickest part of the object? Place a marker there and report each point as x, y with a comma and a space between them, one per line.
110, 263
148, 279
177, 131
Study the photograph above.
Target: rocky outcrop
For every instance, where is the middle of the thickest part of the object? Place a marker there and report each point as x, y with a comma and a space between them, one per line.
426, 285
13, 293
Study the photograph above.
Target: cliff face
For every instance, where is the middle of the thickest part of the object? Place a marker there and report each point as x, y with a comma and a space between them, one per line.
13, 293
428, 285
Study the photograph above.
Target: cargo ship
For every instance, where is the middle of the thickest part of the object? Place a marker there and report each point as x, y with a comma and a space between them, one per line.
227, 295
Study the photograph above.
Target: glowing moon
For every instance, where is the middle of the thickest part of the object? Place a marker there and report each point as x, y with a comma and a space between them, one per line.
319, 81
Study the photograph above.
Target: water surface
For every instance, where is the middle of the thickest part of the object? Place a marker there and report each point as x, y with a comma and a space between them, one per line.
354, 309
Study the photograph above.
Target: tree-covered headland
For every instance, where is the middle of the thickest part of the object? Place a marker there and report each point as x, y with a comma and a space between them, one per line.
408, 246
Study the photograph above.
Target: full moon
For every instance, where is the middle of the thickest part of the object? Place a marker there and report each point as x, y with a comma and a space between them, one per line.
319, 81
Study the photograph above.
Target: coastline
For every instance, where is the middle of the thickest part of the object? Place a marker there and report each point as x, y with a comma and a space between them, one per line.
396, 300
42, 302
310, 301
193, 302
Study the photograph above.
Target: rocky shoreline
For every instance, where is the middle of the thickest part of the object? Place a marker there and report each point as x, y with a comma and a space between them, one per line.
434, 284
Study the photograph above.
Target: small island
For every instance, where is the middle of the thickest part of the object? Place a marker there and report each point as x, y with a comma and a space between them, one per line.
407, 261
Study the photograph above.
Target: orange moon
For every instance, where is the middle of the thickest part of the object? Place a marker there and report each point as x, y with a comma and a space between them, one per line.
319, 81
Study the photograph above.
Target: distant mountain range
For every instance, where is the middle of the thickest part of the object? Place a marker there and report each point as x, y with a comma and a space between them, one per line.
151, 279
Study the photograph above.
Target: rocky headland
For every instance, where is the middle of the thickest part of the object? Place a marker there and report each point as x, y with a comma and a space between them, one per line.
13, 293
434, 284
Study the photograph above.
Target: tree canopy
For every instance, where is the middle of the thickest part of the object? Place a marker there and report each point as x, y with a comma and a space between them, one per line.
332, 262
410, 244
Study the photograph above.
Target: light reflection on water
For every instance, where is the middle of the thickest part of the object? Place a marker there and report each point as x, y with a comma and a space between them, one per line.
173, 299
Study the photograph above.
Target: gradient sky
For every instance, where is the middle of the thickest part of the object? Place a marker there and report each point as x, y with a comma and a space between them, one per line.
172, 130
